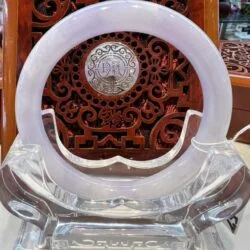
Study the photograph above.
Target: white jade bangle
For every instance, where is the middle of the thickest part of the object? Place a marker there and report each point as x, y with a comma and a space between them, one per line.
133, 16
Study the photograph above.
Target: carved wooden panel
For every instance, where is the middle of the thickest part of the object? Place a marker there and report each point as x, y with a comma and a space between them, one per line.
236, 57
143, 122
48, 12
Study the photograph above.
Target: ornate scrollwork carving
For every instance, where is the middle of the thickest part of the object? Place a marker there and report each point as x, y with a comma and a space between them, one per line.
48, 12
167, 131
142, 122
149, 116
236, 56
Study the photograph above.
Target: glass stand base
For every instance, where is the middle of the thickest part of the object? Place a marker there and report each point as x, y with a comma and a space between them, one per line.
31, 238
55, 218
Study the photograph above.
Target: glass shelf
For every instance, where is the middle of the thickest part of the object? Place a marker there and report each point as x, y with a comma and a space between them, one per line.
235, 20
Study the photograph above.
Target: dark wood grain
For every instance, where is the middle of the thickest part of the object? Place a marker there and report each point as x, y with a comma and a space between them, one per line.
8, 124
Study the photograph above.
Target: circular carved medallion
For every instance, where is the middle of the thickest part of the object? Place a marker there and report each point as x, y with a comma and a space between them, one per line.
112, 68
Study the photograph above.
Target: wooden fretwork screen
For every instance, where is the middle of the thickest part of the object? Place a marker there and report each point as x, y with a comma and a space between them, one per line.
142, 123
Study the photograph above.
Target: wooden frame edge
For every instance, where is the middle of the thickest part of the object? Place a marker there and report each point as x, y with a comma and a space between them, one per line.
240, 81
211, 20
10, 37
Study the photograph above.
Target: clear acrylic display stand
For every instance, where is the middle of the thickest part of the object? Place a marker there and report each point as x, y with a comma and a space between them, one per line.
57, 219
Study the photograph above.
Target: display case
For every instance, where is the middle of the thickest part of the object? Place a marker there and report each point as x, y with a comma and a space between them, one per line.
235, 48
